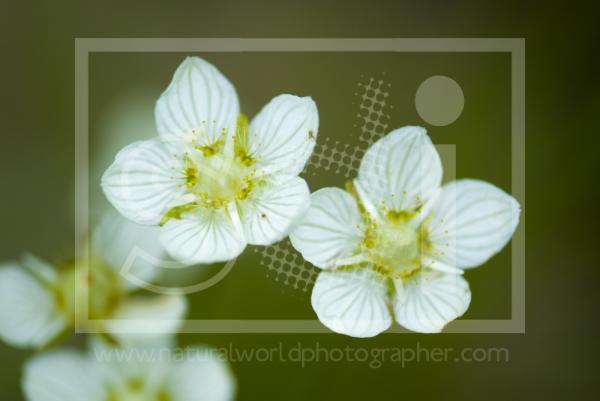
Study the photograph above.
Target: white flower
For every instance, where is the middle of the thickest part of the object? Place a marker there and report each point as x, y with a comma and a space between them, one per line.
39, 302
213, 183
397, 244
140, 373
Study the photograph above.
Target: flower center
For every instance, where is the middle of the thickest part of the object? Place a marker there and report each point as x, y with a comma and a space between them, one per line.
136, 389
97, 288
394, 247
217, 176
217, 179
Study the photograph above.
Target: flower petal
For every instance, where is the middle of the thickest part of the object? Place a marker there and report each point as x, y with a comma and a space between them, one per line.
144, 181
352, 302
143, 359
331, 229
156, 314
117, 239
203, 236
62, 376
429, 300
29, 315
40, 269
268, 215
283, 135
471, 221
198, 104
401, 170
204, 375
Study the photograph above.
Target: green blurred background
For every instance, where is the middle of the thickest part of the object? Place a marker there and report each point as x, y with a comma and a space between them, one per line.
557, 356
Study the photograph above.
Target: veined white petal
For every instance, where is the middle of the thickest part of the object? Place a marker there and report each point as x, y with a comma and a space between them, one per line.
331, 229
62, 376
352, 260
144, 181
203, 376
283, 135
401, 170
200, 103
202, 236
439, 266
268, 215
352, 302
29, 315
367, 202
144, 314
429, 300
117, 240
470, 222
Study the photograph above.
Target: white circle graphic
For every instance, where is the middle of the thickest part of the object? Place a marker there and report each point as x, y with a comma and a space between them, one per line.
439, 100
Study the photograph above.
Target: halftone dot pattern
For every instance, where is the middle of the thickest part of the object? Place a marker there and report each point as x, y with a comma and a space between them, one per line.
372, 124
333, 156
287, 266
372, 113
283, 262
